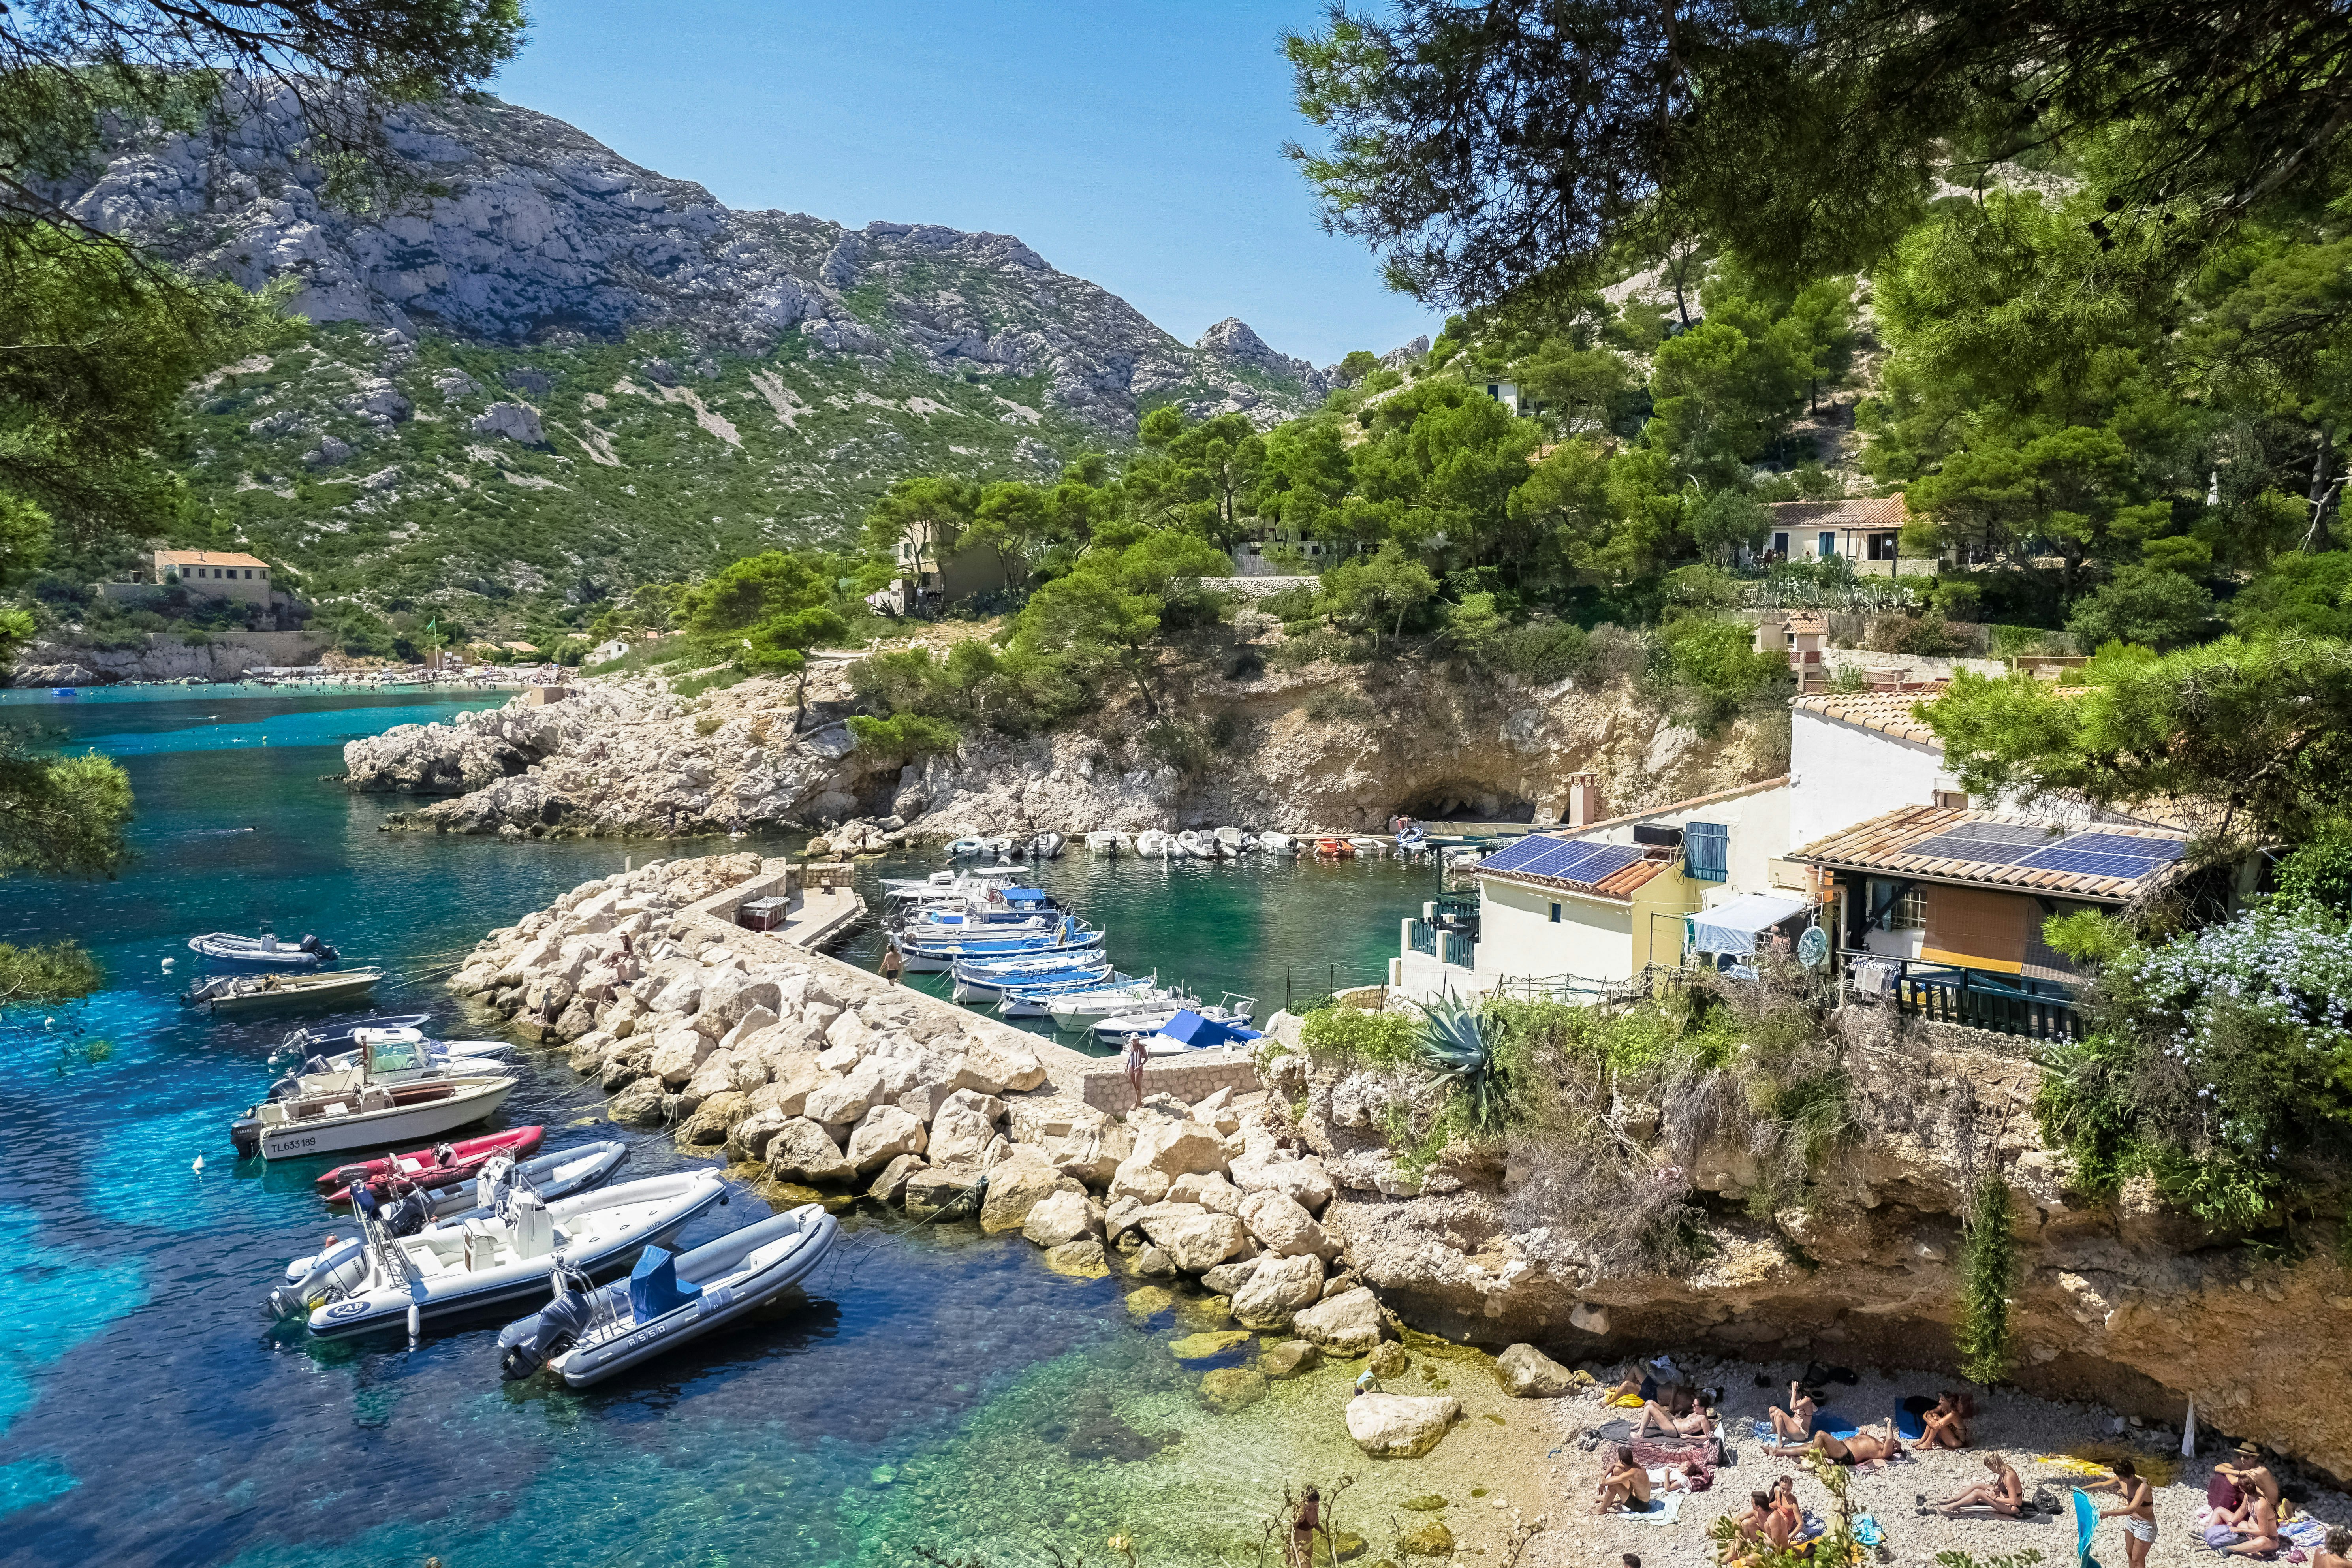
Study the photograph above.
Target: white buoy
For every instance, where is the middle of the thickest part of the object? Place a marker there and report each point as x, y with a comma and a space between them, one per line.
415, 1322
168, 963
199, 1166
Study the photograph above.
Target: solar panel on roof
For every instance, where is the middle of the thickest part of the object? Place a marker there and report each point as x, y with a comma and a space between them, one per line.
2129, 845
2087, 863
1516, 856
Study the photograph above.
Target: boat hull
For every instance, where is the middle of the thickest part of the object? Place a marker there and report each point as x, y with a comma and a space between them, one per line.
413, 1121
636, 1343
418, 1168
444, 1297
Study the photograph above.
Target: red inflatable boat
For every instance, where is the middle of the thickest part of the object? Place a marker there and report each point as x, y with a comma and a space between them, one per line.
466, 1156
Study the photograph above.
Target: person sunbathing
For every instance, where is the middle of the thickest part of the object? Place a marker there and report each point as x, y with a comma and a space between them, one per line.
1796, 1423
2005, 1496
1861, 1449
1681, 1415
1946, 1425
1644, 1379
1624, 1485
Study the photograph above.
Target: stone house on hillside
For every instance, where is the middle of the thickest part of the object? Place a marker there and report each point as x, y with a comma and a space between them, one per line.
1867, 533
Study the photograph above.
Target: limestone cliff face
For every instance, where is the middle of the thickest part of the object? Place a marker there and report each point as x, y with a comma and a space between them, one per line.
2125, 1303
1314, 750
509, 226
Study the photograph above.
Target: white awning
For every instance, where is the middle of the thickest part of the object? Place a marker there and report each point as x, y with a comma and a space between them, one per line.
1732, 927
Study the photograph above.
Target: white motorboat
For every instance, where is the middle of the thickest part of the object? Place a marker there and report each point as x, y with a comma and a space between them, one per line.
1046, 847
999, 847
1017, 998
1107, 843
343, 1262
1155, 844
1197, 844
1365, 844
1276, 843
1149, 1021
587, 1336
1083, 1009
964, 847
399, 1056
448, 1269
336, 1111
262, 993
1232, 841
265, 951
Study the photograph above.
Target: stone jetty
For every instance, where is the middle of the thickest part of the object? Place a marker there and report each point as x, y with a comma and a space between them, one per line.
751, 1048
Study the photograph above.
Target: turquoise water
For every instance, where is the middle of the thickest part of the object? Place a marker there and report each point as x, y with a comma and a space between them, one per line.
935, 1387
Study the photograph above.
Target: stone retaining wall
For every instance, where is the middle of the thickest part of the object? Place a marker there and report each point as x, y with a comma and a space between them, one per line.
1192, 1077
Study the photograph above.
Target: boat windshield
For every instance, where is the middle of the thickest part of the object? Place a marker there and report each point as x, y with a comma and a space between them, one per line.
394, 1056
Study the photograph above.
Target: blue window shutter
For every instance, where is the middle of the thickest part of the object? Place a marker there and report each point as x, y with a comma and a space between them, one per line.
1707, 851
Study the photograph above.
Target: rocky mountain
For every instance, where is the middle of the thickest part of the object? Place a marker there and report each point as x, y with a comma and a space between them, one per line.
539, 368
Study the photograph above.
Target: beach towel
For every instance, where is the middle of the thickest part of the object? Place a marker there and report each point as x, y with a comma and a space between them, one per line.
2304, 1532
1626, 1401
2086, 1520
1911, 1419
1867, 1531
1617, 1431
1663, 1509
1655, 1453
1835, 1425
1812, 1527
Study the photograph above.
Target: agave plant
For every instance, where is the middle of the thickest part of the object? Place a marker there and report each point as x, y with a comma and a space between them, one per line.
1460, 1056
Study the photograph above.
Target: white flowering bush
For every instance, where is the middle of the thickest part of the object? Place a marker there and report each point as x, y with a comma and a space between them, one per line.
2218, 1062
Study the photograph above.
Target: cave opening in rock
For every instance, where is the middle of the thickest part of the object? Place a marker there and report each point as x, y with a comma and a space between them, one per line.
1468, 800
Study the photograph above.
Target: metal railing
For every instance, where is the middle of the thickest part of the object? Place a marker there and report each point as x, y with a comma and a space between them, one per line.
1458, 947
1299, 991
1975, 998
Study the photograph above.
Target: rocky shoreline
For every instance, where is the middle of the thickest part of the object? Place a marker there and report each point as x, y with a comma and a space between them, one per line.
824, 1076
1318, 750
1283, 1197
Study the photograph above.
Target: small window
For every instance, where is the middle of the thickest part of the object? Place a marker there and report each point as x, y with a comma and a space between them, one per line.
1952, 799
1555, 914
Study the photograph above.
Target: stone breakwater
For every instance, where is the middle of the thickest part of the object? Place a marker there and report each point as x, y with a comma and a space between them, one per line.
624, 756
823, 1075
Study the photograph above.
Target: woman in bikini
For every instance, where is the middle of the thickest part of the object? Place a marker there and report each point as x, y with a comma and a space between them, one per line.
1946, 1425
2005, 1496
1624, 1485
2138, 1513
1681, 1415
1796, 1423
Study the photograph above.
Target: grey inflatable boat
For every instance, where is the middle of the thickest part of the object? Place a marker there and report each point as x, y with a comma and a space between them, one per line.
587, 1334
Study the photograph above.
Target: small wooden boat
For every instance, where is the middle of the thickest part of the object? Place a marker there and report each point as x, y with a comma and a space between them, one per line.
431, 1167
336, 1111
261, 993
229, 950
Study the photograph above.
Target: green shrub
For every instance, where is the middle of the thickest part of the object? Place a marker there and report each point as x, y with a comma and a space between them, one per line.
2320, 871
1291, 604
1336, 703
903, 737
1713, 669
1988, 1274
1919, 637
1351, 1034
708, 724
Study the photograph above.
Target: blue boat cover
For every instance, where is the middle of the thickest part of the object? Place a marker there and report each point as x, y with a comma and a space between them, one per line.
654, 1288
1190, 1028
1025, 895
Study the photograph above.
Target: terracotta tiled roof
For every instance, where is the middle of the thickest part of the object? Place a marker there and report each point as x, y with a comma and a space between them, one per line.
1889, 712
1890, 845
205, 558
1881, 513
1620, 884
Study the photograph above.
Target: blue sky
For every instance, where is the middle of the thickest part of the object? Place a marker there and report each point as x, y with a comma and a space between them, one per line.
1138, 146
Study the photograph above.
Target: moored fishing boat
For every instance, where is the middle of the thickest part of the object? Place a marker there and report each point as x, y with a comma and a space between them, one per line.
1155, 844
270, 993
1046, 847
1070, 935
586, 1336
1200, 1030
392, 1056
447, 1270
974, 981
1151, 1020
336, 1111
1276, 843
1197, 844
1365, 844
1028, 998
1107, 843
1083, 1008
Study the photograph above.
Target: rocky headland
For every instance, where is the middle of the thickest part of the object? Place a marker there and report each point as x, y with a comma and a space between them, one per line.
1281, 1195
1324, 748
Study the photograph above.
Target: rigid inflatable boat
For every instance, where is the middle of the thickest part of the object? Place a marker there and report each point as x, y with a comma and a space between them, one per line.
587, 1335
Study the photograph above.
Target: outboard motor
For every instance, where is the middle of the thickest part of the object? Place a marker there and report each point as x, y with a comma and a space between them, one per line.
246, 1133
528, 1344
313, 1281
410, 1214
287, 1087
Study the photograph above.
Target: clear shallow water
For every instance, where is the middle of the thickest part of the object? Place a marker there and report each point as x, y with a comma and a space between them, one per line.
935, 1386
